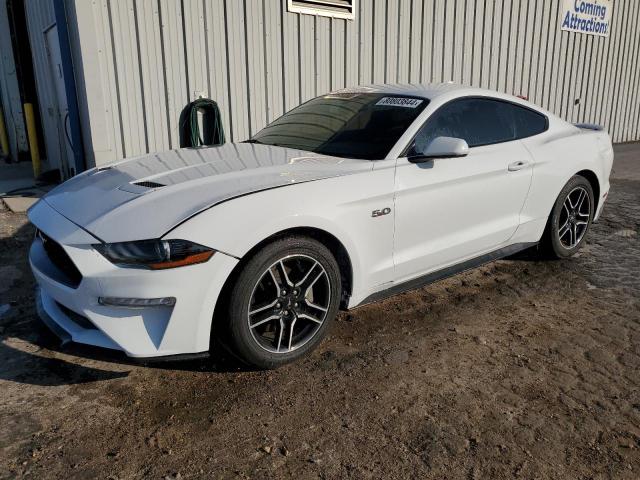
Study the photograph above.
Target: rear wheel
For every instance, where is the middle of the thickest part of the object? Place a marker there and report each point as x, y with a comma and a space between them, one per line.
283, 302
570, 219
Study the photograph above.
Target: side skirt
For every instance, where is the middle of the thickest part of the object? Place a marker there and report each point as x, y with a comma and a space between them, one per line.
446, 272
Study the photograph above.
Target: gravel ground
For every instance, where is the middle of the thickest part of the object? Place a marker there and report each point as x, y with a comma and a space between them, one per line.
518, 369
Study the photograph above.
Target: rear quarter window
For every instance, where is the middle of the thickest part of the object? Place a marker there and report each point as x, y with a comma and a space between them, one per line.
528, 123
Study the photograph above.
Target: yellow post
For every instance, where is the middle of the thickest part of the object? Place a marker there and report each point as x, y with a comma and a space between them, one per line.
4, 140
33, 139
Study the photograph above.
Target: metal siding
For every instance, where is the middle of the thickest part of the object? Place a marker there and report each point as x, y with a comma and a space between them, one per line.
257, 60
616, 71
632, 121
195, 43
255, 63
176, 94
474, 43
550, 54
239, 99
364, 19
569, 96
129, 82
535, 92
448, 39
437, 40
558, 69
291, 59
624, 91
576, 108
612, 71
415, 55
391, 42
485, 58
632, 56
508, 42
599, 81
307, 57
517, 47
458, 41
585, 76
428, 32
338, 65
9, 90
151, 58
323, 55
274, 49
496, 45
41, 16
530, 74
468, 36
598, 90
525, 45
378, 55
352, 53
217, 49
404, 41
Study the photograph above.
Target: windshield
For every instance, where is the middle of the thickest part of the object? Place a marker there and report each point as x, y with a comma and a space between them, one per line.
355, 125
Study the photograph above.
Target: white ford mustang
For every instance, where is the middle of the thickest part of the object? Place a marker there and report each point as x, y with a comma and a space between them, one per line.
348, 198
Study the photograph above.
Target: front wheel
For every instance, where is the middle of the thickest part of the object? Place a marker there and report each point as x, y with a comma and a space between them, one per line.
570, 218
283, 302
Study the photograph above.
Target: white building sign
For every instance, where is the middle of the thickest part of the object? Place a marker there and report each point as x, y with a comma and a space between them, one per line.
592, 17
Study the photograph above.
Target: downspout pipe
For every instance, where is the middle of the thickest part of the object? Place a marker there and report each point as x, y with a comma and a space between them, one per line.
70, 85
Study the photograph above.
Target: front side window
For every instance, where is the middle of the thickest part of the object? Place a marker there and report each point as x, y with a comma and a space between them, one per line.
353, 125
479, 122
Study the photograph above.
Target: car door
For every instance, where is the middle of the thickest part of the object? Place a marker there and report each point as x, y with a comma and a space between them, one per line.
448, 210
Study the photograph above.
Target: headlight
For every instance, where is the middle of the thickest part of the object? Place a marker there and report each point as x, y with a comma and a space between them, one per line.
155, 254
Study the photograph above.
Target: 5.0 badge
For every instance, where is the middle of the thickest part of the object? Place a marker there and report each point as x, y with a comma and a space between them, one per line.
379, 213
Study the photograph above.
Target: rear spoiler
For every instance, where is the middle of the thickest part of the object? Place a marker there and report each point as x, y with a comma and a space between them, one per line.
589, 126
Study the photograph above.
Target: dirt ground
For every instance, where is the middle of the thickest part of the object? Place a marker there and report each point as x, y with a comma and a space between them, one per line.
519, 369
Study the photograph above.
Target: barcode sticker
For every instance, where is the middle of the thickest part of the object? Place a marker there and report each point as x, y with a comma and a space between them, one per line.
399, 102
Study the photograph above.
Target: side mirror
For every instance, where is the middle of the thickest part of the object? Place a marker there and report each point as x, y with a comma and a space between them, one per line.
441, 147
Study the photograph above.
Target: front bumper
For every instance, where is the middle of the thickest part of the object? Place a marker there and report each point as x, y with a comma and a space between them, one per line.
75, 314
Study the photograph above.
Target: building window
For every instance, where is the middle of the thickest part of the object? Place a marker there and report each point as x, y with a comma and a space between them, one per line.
326, 8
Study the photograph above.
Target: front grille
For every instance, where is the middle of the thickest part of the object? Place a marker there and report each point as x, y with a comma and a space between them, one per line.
57, 255
81, 321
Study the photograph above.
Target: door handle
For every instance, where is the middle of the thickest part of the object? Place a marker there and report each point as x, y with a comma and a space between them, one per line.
515, 166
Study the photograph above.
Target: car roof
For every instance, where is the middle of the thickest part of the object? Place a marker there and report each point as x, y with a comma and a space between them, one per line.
429, 91
448, 91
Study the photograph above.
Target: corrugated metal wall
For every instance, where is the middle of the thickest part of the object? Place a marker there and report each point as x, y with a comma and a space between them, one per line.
9, 89
40, 17
143, 60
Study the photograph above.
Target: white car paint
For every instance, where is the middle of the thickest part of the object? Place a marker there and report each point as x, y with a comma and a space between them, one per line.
449, 206
199, 177
231, 198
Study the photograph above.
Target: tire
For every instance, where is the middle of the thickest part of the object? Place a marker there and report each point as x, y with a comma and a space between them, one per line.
265, 335
557, 241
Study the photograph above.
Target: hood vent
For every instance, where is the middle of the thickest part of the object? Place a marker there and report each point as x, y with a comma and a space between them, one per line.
148, 184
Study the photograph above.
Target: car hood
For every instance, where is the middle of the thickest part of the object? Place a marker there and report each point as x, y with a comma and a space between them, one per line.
145, 197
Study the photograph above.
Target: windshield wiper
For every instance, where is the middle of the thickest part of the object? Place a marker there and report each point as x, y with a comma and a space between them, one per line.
253, 140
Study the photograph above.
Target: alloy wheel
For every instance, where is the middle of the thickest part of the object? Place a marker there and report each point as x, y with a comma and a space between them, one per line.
289, 303
573, 220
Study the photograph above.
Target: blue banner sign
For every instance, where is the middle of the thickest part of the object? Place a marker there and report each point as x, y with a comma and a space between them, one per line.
592, 17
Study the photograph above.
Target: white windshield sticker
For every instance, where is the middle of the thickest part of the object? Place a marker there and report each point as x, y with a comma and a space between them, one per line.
399, 102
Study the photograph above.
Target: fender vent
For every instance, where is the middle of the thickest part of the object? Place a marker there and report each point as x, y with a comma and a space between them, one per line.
149, 184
